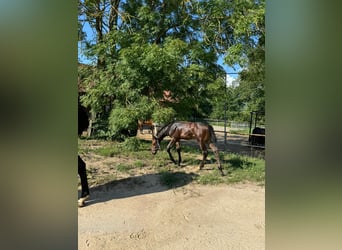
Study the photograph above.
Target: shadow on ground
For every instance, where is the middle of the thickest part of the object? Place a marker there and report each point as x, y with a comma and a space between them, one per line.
138, 185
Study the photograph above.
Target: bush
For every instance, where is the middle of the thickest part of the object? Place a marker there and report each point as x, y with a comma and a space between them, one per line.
163, 115
131, 144
123, 123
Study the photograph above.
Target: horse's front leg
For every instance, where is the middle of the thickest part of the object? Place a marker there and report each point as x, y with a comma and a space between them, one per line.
168, 149
179, 152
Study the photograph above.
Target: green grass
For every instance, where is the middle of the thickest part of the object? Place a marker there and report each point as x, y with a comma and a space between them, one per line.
107, 151
210, 178
168, 178
139, 164
174, 179
121, 167
237, 168
131, 144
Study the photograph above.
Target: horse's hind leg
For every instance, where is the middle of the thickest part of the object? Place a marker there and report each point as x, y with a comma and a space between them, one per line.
204, 154
179, 152
216, 152
84, 182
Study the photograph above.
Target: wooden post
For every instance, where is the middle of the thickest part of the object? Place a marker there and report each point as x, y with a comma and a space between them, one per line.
225, 124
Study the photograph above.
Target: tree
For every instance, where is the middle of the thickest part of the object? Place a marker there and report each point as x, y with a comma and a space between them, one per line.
237, 29
158, 58
249, 52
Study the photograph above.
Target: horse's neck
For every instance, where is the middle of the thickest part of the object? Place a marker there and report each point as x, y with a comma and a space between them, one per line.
163, 132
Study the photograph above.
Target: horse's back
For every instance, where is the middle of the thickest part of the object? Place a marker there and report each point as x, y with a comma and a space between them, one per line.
191, 130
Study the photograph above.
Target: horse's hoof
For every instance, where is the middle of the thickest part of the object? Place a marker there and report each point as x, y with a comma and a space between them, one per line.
81, 201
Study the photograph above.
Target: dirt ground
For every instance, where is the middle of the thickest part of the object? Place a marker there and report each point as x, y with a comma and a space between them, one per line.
137, 212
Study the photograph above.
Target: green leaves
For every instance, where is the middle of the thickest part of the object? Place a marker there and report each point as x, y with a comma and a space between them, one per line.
163, 115
144, 49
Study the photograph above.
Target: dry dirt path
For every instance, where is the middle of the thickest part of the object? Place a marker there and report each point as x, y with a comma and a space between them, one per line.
146, 215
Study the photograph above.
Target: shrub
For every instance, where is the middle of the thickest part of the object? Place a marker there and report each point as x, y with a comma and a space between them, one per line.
131, 144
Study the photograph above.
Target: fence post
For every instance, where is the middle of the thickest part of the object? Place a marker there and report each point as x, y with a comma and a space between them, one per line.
225, 125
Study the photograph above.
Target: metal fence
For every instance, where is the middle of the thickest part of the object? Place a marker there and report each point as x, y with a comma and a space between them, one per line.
221, 122
226, 128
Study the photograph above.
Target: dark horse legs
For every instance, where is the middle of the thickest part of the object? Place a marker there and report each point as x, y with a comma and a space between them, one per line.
204, 153
82, 172
168, 149
216, 152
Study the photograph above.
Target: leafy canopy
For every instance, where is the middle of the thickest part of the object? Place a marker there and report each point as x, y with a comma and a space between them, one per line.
158, 59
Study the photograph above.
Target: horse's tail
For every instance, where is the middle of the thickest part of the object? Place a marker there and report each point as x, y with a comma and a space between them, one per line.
212, 134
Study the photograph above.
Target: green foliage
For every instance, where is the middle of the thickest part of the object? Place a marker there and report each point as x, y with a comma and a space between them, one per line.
131, 144
122, 119
163, 115
140, 49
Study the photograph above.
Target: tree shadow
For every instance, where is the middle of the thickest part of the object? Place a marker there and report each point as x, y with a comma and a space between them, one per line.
138, 185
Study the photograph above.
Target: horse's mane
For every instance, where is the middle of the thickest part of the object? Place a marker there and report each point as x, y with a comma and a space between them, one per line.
163, 131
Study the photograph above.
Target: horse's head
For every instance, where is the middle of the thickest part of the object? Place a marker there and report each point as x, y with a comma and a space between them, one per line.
155, 145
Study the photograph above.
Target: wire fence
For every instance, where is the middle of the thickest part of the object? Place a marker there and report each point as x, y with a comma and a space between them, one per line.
237, 133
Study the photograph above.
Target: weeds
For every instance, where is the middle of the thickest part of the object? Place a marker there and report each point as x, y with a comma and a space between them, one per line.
131, 144
137, 155
174, 179
121, 167
139, 164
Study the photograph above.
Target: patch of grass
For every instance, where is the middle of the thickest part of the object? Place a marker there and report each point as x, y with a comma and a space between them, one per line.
237, 161
123, 167
158, 163
210, 178
107, 151
254, 174
243, 168
105, 179
237, 169
139, 164
168, 178
174, 179
161, 159
188, 149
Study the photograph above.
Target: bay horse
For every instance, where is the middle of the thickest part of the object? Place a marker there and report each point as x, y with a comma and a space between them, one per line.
83, 123
203, 133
